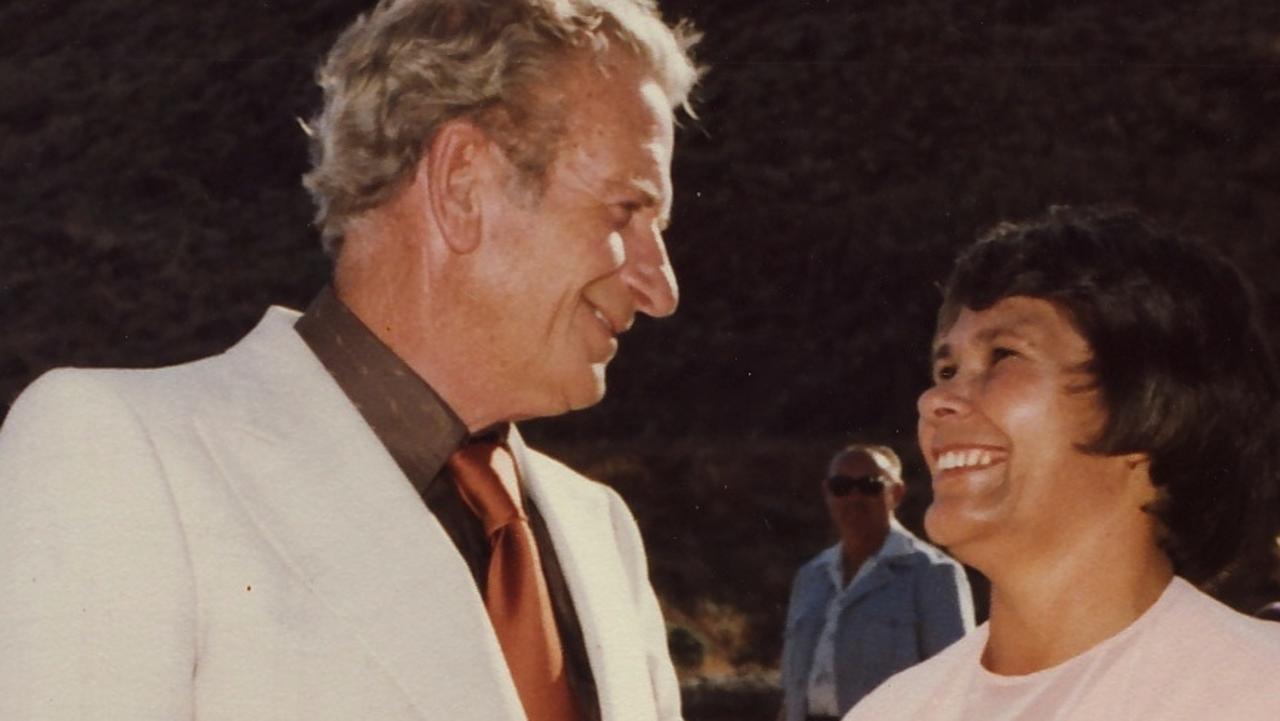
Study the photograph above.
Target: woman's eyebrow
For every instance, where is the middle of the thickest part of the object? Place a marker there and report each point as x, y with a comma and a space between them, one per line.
1026, 329
942, 351
1023, 329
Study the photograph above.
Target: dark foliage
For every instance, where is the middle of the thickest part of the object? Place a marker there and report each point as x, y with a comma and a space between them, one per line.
151, 208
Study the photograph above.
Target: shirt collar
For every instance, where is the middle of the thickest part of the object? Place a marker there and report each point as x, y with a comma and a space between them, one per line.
896, 543
414, 424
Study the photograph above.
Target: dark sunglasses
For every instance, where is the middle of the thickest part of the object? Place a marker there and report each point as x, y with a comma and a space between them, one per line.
840, 485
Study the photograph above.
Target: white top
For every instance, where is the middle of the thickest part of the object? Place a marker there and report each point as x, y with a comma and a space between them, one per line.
1187, 658
822, 676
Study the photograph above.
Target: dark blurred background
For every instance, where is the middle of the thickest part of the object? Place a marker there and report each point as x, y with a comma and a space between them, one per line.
150, 208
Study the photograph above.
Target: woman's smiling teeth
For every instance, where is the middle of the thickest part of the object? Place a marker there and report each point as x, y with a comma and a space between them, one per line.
972, 458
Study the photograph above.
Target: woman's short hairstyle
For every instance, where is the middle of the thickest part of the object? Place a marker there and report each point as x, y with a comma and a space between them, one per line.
1182, 367
401, 71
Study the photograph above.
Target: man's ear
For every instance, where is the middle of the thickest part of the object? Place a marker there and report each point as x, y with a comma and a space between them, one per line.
452, 178
896, 491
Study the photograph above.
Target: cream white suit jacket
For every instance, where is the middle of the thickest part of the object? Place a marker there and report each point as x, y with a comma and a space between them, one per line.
227, 540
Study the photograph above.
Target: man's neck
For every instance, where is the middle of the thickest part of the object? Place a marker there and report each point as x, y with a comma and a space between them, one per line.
405, 298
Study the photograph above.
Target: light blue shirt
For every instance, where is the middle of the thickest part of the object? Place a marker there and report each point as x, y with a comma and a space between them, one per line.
912, 602
822, 677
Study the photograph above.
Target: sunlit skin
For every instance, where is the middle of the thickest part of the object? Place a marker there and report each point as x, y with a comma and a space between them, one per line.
568, 273
510, 302
861, 521
1059, 532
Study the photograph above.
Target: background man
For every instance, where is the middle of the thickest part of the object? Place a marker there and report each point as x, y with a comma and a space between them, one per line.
876, 602
334, 519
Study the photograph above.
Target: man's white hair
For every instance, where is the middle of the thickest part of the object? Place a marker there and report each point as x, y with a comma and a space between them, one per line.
401, 71
883, 456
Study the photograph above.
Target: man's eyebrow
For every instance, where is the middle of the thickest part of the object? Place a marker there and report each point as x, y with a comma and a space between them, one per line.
651, 198
664, 221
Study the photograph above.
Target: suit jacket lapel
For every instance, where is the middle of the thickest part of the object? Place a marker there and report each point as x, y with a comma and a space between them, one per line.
579, 521
885, 567
337, 508
879, 576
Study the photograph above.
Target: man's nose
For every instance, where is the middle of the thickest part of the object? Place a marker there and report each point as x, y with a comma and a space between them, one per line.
649, 275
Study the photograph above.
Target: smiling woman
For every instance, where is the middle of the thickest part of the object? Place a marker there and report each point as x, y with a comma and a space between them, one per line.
1101, 433
1163, 333
1005, 426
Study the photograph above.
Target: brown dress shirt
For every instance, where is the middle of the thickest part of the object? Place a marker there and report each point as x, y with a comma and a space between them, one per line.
420, 432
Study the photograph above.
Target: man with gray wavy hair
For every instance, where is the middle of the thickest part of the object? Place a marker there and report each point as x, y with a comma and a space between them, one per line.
336, 518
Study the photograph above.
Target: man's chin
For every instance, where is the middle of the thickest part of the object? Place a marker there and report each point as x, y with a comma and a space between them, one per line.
576, 392
588, 390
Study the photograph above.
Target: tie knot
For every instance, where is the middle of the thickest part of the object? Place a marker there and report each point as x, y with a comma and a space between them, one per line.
483, 472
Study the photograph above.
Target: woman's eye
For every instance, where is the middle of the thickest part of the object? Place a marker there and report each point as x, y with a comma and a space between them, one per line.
943, 373
998, 354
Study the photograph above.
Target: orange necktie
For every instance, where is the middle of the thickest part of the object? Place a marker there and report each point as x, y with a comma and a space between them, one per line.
516, 598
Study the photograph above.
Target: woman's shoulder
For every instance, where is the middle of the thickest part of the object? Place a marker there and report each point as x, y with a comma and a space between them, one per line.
906, 695
1217, 633
1202, 659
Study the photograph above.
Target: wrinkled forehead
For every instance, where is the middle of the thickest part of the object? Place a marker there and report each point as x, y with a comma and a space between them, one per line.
617, 87
618, 132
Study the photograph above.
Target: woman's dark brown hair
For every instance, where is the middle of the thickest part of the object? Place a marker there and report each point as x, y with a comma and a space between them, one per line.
1183, 369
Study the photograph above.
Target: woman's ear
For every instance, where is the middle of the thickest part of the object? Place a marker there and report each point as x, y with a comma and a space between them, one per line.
1139, 467
450, 173
1135, 461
